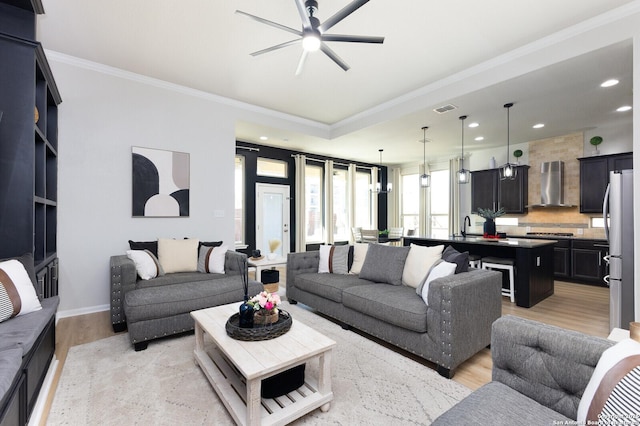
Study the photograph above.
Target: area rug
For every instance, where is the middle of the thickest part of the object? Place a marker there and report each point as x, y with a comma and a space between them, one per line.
106, 382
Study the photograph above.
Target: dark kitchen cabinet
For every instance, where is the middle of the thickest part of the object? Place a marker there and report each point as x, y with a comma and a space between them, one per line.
587, 263
594, 177
562, 259
489, 192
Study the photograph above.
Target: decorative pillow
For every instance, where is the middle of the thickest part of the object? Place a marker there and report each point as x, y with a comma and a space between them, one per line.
147, 265
17, 294
178, 255
616, 375
334, 260
211, 259
384, 264
460, 259
441, 269
152, 246
359, 254
419, 262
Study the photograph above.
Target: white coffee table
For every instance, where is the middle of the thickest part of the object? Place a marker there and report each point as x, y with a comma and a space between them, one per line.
236, 368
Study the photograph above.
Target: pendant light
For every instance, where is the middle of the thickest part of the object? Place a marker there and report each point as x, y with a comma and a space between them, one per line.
464, 176
378, 188
509, 170
425, 179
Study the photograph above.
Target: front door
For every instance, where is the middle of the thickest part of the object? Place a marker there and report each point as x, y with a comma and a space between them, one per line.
272, 218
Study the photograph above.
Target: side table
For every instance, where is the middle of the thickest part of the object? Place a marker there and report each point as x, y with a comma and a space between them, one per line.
265, 263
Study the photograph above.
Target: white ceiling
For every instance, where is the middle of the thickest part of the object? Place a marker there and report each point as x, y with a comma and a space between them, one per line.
203, 44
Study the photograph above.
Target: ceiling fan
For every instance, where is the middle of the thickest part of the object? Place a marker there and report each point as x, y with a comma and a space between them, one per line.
313, 35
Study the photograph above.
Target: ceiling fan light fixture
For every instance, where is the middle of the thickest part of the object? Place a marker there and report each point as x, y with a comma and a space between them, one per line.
311, 41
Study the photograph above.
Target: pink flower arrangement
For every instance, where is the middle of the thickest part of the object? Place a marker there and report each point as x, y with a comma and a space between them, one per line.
265, 301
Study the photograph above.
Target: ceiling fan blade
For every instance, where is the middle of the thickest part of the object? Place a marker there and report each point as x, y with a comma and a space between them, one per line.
271, 23
302, 10
303, 58
352, 38
276, 47
334, 57
340, 15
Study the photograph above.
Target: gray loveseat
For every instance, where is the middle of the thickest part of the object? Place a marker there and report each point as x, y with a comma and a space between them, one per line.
160, 307
454, 326
539, 375
27, 345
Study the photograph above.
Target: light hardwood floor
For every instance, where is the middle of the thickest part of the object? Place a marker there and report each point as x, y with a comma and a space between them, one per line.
577, 307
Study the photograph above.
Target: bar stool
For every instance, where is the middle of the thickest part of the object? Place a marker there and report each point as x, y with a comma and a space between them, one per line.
475, 261
503, 265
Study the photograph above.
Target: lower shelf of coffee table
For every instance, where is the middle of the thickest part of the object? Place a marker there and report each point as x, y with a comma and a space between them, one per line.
231, 387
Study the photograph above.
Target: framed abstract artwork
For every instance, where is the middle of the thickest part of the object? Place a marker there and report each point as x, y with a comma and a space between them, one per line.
160, 183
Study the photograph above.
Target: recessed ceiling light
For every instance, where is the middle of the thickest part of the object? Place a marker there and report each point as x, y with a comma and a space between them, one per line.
624, 108
479, 138
474, 124
538, 126
609, 83
264, 138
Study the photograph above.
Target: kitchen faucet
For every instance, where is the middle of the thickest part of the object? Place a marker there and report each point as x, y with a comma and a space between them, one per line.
466, 220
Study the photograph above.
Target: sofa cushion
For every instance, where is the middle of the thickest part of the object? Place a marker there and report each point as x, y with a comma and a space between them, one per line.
384, 264
178, 255
17, 294
23, 331
334, 259
10, 362
497, 404
329, 286
460, 259
397, 305
440, 269
211, 259
359, 255
419, 261
147, 265
178, 278
169, 300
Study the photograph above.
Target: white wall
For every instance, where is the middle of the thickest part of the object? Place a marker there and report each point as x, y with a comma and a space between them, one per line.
101, 117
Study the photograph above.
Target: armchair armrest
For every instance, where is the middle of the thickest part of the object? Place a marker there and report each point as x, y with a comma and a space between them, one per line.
304, 262
548, 364
462, 308
123, 279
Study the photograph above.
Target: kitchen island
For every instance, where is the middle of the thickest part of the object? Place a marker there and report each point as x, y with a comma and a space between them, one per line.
533, 261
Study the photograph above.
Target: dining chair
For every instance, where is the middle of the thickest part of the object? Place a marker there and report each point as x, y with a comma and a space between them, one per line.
357, 234
370, 235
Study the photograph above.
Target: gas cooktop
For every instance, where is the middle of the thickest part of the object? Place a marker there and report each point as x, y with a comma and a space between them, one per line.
555, 234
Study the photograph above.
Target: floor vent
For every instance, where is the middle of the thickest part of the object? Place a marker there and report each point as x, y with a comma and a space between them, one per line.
445, 108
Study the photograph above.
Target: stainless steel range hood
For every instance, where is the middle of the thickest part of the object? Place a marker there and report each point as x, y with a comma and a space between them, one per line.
552, 185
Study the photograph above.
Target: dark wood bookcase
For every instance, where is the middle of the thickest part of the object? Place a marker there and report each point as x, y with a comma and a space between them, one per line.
29, 100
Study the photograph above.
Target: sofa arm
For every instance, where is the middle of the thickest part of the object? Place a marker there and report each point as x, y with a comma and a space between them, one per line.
548, 364
462, 308
233, 262
304, 262
123, 279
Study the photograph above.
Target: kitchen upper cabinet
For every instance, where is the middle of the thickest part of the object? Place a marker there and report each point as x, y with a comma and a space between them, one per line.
489, 192
594, 177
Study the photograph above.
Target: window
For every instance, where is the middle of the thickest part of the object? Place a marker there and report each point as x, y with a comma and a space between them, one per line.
239, 200
439, 203
507, 221
410, 203
363, 200
271, 168
313, 199
340, 206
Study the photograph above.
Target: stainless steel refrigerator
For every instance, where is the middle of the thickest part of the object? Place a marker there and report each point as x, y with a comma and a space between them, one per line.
618, 206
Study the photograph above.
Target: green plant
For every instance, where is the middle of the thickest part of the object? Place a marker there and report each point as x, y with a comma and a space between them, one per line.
517, 153
490, 213
596, 140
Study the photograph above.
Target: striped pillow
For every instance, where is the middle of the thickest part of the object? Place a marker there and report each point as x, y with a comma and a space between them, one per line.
17, 294
147, 265
334, 259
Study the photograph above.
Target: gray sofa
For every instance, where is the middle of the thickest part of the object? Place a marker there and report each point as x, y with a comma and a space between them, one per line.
27, 345
454, 326
160, 307
539, 375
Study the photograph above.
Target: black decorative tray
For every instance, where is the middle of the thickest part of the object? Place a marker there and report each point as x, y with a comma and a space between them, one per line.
259, 332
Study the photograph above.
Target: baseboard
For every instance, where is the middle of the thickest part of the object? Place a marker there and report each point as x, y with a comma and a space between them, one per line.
82, 311
41, 402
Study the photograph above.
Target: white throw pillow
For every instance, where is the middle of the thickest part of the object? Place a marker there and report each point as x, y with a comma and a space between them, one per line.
17, 294
147, 265
323, 266
359, 254
178, 255
211, 259
418, 263
442, 269
617, 373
